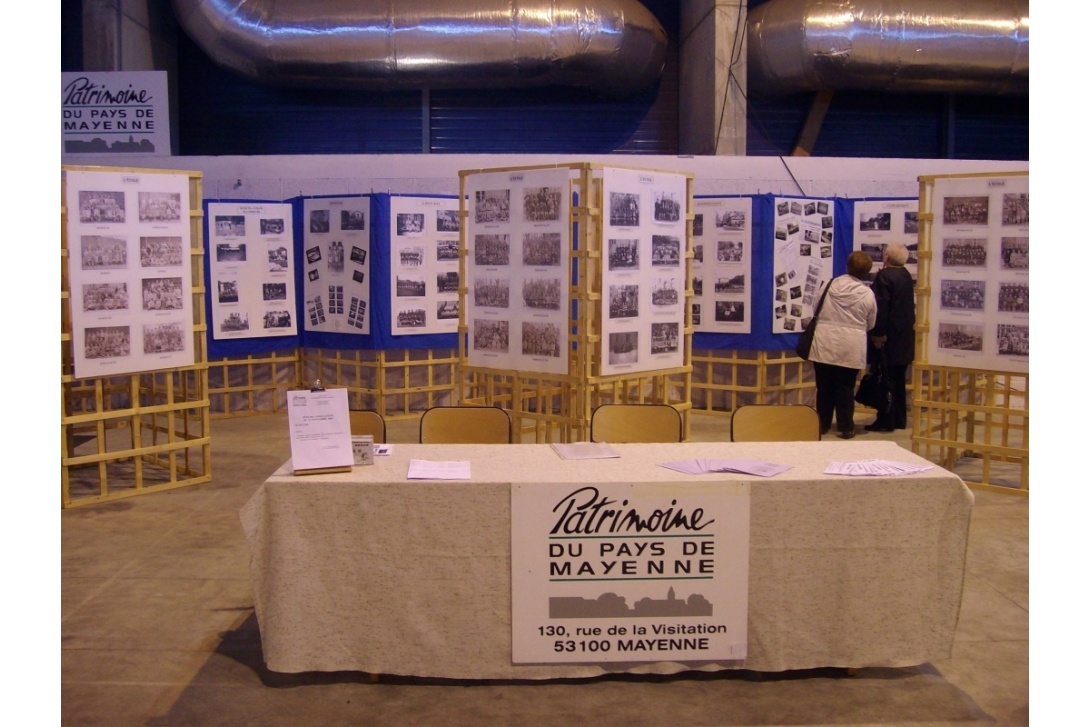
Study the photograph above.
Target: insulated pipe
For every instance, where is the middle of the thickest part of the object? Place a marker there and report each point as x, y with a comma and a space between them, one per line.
925, 46
615, 47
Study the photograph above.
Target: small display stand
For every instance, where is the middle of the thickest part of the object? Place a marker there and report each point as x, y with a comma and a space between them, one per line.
970, 380
125, 432
628, 235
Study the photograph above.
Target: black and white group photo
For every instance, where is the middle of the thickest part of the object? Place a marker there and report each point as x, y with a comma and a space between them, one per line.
491, 335
540, 339
541, 293
624, 209
106, 342
101, 206
965, 210
624, 347
964, 252
492, 206
664, 338
624, 301
541, 204
162, 293
105, 296
492, 249
160, 252
164, 337
102, 252
541, 249
159, 206
624, 253
961, 336
492, 292
665, 251
667, 206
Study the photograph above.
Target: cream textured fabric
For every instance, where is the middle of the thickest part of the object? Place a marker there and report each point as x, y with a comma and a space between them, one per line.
365, 571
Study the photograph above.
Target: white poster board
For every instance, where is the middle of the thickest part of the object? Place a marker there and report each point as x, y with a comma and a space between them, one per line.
880, 222
518, 239
251, 253
980, 274
802, 261
129, 271
643, 278
629, 572
722, 264
319, 430
121, 113
424, 278
337, 264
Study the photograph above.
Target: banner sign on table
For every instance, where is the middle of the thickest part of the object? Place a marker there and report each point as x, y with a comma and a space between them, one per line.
980, 274
129, 271
123, 113
802, 260
518, 269
722, 265
336, 250
424, 265
253, 283
643, 279
629, 572
880, 222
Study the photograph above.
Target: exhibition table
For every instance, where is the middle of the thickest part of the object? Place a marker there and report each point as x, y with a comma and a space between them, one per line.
368, 571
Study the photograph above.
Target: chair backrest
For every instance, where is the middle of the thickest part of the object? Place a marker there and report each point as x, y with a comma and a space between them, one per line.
774, 423
465, 425
621, 423
367, 421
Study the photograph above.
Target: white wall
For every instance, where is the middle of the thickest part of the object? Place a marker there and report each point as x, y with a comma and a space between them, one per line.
283, 177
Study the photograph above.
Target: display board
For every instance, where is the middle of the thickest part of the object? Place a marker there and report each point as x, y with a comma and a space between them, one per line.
644, 277
129, 271
518, 243
979, 304
252, 258
880, 222
802, 259
424, 265
336, 264
722, 265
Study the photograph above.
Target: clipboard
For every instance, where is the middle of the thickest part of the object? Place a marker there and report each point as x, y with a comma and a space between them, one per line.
319, 431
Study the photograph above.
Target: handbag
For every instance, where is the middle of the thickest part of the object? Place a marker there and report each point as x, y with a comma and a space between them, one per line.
806, 339
874, 389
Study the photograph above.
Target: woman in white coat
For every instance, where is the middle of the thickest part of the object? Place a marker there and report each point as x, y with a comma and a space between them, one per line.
839, 350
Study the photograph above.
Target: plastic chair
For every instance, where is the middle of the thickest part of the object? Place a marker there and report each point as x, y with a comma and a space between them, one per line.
465, 425
367, 421
621, 423
775, 423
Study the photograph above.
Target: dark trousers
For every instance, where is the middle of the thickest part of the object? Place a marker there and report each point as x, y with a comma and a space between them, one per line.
835, 392
897, 418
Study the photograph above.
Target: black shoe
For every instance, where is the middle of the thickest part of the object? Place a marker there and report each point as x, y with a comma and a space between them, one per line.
876, 427
846, 435
824, 431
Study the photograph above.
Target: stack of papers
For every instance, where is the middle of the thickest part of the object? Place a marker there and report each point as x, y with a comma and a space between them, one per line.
586, 450
743, 466
870, 467
422, 469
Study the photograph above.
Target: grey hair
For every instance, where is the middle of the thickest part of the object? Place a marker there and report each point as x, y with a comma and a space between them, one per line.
897, 253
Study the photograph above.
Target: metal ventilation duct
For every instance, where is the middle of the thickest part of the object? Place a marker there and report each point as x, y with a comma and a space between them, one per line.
928, 46
612, 46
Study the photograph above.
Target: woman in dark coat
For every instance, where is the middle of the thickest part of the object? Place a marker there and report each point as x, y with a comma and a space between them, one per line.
894, 332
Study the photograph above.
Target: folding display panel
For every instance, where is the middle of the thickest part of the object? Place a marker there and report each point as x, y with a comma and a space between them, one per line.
134, 382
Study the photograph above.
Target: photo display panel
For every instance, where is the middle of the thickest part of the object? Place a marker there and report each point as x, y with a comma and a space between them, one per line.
518, 238
802, 260
424, 265
252, 257
878, 223
980, 274
129, 272
643, 278
722, 265
337, 264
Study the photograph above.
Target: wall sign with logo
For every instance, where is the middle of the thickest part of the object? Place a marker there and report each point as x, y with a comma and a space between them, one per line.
629, 572
124, 113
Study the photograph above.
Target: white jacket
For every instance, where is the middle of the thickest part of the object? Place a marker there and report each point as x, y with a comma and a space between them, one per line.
848, 313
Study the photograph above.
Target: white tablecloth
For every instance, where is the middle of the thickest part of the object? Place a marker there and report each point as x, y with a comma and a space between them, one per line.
366, 571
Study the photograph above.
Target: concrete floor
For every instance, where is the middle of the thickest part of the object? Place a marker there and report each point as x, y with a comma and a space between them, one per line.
158, 628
